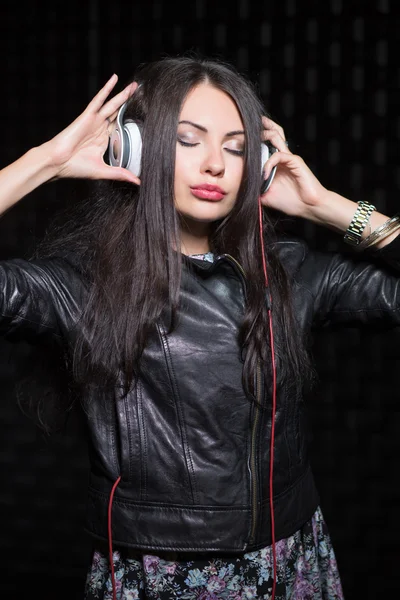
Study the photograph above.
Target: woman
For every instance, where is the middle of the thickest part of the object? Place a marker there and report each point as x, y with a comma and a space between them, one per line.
184, 319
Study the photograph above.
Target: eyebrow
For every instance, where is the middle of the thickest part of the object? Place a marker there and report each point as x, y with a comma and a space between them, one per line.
229, 134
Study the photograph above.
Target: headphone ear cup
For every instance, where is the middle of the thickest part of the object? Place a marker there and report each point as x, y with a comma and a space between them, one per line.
265, 154
133, 147
125, 144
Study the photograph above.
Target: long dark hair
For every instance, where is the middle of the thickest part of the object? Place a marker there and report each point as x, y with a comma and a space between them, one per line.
123, 238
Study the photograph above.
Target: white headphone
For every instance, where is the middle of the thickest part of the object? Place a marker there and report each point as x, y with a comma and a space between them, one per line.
125, 144
125, 148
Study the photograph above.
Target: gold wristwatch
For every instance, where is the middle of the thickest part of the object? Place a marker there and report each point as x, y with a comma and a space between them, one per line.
358, 223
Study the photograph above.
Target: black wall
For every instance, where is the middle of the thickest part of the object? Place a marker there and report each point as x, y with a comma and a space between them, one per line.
329, 73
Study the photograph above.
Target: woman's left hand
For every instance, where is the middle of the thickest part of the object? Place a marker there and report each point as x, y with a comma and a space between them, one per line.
294, 190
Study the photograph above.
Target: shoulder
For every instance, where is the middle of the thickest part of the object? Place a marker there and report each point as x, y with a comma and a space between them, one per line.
291, 251
56, 275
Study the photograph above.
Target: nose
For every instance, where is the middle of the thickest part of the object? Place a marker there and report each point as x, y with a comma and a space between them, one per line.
213, 163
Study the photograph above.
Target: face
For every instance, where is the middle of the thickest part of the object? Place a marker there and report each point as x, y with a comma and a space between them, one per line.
209, 155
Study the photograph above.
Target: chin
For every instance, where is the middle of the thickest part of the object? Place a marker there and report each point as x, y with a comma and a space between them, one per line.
207, 212
198, 219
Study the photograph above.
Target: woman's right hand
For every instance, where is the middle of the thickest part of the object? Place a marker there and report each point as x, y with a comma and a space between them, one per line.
78, 150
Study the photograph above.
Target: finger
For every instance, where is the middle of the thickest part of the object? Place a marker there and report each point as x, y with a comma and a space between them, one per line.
119, 174
112, 117
290, 160
113, 105
97, 102
270, 124
276, 140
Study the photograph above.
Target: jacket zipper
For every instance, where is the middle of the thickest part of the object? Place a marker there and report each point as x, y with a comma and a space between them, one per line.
253, 450
239, 266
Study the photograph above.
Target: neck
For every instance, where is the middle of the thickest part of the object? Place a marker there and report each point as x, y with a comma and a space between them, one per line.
194, 237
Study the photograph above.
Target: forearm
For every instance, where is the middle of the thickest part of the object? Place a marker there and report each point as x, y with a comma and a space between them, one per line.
24, 175
336, 212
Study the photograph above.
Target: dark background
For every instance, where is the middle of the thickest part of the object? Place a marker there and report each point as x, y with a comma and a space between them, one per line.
329, 72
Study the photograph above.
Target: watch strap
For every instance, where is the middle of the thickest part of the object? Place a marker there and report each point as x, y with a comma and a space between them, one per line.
360, 219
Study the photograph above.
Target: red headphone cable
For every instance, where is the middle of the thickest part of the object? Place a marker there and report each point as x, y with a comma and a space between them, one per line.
271, 466
110, 544
271, 472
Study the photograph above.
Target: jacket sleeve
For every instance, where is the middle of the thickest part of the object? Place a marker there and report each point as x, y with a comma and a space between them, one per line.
38, 298
355, 289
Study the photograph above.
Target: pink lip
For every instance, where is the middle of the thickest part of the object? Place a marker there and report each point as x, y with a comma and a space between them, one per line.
207, 191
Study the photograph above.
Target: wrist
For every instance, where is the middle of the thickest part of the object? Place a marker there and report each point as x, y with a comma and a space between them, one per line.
21, 177
332, 210
336, 212
42, 160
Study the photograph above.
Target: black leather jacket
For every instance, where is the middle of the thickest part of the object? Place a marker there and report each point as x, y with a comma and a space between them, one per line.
191, 451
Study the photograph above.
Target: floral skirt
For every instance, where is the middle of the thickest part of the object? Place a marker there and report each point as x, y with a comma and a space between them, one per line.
306, 570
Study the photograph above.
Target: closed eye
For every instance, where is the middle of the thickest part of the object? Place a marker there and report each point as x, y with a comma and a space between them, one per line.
230, 150
182, 143
236, 152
